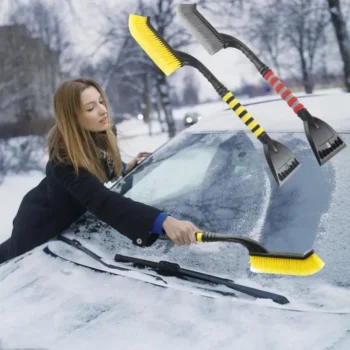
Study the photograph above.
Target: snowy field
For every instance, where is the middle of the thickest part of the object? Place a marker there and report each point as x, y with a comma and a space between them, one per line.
48, 304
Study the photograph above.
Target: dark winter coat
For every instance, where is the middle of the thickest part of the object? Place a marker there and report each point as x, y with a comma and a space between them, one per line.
61, 198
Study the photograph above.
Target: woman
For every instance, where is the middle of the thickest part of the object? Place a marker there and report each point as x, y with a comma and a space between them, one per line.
83, 155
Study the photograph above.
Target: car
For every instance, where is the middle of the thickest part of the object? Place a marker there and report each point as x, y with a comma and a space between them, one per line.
191, 118
215, 175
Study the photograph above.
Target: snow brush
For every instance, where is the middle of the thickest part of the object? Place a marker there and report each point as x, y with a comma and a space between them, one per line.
282, 162
324, 141
264, 261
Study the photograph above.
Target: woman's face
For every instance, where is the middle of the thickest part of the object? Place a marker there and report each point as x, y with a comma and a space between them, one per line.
94, 110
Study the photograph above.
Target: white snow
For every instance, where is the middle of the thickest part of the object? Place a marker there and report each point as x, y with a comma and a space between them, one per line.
53, 305
49, 304
207, 109
278, 116
12, 190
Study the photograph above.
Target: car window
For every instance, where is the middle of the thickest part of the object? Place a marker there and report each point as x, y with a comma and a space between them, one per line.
179, 164
221, 182
205, 181
229, 194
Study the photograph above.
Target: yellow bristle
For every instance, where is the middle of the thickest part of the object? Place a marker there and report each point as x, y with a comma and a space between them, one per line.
153, 45
286, 266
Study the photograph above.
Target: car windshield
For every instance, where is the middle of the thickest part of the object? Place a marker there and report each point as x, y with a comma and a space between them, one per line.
221, 182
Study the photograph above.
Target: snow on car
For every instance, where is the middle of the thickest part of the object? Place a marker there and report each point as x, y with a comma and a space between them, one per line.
214, 174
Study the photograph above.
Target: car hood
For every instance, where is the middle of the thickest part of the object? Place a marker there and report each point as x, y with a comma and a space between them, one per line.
53, 304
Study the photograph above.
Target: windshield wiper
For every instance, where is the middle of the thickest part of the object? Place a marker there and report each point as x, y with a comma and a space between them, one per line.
167, 268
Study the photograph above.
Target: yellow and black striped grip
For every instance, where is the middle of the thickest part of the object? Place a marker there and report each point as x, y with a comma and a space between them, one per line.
243, 114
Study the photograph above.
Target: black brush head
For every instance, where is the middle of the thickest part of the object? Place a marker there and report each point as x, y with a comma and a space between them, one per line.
282, 162
323, 139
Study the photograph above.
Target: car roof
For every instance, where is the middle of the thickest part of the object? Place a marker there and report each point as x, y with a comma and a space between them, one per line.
277, 116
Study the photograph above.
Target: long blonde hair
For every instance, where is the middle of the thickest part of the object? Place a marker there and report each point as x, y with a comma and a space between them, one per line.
70, 143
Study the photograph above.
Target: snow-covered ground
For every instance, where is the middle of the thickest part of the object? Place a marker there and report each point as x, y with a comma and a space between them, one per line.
212, 107
48, 304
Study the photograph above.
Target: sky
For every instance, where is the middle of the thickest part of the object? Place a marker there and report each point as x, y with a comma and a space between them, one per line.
229, 66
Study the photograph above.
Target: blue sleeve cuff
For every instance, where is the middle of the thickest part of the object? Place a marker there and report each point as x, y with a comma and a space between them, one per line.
158, 223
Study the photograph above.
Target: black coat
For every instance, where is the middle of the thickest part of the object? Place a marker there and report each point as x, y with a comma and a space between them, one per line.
61, 198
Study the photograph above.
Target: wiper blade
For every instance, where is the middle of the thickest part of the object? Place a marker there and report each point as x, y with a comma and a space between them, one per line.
167, 268
76, 244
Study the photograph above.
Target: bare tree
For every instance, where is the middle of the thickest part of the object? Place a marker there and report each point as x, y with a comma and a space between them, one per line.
129, 68
291, 36
342, 35
24, 75
305, 25
43, 24
190, 91
3, 160
12, 90
267, 34
225, 10
42, 21
163, 15
131, 65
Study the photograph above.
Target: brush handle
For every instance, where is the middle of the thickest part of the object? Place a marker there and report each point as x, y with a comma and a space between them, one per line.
266, 72
230, 41
234, 104
285, 93
227, 96
188, 60
253, 246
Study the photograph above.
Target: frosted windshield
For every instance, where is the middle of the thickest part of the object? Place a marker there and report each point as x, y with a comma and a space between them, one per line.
221, 182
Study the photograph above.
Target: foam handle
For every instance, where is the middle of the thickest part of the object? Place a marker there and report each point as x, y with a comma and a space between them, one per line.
285, 93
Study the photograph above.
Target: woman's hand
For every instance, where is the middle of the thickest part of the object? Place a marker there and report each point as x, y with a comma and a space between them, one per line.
137, 160
180, 232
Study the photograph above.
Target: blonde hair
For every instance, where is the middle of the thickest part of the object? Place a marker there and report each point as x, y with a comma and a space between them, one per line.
70, 143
